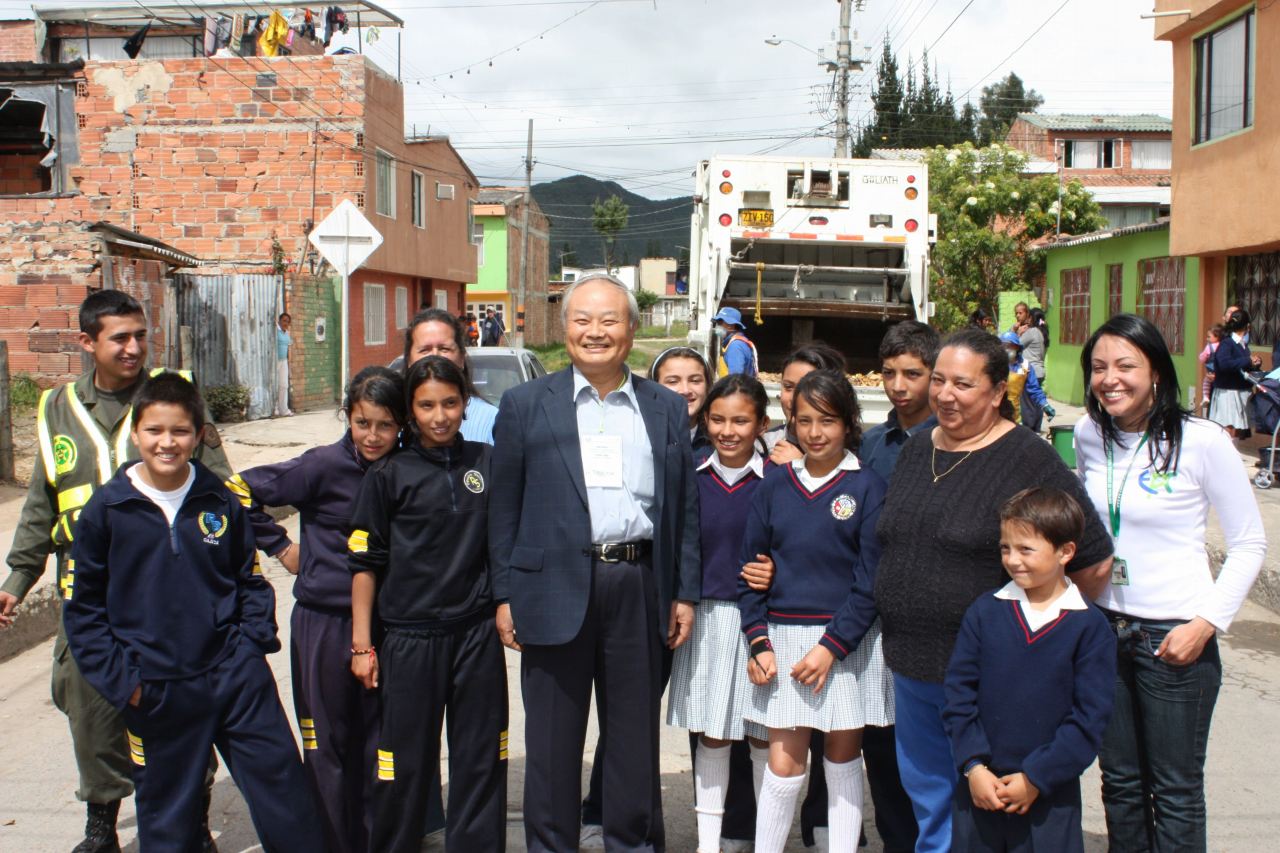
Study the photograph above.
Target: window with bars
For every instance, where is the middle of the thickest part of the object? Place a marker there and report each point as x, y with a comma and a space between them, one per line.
386, 188
1224, 79
1162, 291
375, 314
1091, 153
1255, 287
1074, 326
1115, 289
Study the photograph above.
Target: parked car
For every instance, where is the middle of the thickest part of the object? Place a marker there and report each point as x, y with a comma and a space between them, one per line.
495, 369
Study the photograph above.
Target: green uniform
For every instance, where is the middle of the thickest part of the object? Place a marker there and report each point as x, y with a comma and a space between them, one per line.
83, 436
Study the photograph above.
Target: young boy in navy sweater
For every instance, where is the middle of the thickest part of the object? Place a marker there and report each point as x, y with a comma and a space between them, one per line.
169, 618
1029, 688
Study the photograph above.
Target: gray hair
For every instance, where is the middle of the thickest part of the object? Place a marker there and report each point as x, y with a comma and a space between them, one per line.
633, 307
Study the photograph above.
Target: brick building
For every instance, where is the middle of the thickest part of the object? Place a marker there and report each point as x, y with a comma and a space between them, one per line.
226, 158
498, 235
1124, 161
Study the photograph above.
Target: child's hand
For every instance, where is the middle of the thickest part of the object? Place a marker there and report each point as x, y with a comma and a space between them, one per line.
759, 575
814, 667
985, 789
1018, 793
289, 558
135, 698
784, 452
762, 668
365, 669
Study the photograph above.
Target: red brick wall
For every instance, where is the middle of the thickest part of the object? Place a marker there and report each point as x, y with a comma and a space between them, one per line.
22, 173
18, 41
362, 354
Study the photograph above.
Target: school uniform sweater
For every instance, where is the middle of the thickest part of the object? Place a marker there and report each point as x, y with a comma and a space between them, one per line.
723, 513
321, 484
1030, 701
420, 525
825, 553
149, 600
1230, 358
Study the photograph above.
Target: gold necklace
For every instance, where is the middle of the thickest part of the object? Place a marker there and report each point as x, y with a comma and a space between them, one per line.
933, 458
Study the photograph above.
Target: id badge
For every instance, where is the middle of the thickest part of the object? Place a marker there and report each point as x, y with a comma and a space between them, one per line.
602, 461
1119, 572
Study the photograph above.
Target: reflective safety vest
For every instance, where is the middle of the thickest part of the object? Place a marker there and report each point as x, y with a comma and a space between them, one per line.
722, 369
78, 454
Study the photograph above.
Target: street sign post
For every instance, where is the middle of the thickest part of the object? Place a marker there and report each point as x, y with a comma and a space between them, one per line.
346, 239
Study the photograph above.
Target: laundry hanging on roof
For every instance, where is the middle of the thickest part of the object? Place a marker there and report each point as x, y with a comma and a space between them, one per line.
372, 34
133, 45
274, 35
335, 21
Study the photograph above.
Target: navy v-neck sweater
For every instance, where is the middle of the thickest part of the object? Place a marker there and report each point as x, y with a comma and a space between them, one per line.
723, 513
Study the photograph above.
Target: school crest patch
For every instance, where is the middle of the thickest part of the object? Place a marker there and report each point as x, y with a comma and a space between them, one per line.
474, 481
64, 454
212, 526
842, 507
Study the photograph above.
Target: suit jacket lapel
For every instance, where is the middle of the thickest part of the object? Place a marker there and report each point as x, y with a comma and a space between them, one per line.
559, 407
655, 425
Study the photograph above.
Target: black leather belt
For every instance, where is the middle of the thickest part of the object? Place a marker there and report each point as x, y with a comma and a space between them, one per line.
621, 552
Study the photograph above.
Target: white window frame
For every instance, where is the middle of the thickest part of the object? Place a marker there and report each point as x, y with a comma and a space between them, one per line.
1069, 153
418, 199
477, 228
1202, 94
1141, 151
402, 307
375, 294
385, 202
442, 300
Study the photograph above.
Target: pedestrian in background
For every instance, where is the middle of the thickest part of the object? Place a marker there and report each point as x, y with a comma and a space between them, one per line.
1154, 472
595, 560
169, 617
1024, 388
939, 532
283, 341
1230, 400
337, 716
419, 546
1028, 688
1212, 338
737, 353
492, 329
83, 428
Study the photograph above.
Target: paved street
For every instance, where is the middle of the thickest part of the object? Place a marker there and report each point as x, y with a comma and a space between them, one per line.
39, 812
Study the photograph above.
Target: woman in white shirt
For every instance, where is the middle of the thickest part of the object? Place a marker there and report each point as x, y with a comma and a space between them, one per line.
1153, 471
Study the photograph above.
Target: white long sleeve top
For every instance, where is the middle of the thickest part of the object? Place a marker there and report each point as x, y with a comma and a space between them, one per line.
1162, 524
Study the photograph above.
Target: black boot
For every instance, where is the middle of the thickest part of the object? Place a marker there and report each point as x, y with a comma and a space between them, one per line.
209, 846
100, 829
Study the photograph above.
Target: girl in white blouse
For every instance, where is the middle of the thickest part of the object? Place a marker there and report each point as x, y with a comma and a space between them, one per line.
1153, 471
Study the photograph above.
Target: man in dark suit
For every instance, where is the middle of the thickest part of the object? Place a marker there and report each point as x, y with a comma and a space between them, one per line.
595, 560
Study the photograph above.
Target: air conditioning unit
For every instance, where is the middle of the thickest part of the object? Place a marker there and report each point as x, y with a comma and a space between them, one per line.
444, 192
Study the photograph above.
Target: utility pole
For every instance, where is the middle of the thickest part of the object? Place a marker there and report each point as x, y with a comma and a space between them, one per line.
843, 52
524, 235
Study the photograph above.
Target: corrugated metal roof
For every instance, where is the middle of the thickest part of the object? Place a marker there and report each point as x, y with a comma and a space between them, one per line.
1159, 225
1133, 122
498, 195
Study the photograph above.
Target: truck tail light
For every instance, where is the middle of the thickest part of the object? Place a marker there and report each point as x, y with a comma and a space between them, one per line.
911, 193
726, 188
725, 173
726, 220
911, 179
818, 220
911, 225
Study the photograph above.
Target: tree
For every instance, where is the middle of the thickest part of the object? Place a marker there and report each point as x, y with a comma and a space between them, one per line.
911, 114
646, 299
989, 212
653, 248
1000, 104
609, 219
885, 128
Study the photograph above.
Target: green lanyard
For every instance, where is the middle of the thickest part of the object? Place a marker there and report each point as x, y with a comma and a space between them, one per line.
1113, 503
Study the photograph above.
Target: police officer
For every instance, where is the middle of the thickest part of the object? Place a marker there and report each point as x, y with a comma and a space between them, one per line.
83, 433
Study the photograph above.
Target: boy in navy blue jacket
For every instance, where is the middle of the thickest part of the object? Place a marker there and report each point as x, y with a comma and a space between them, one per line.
169, 618
1029, 688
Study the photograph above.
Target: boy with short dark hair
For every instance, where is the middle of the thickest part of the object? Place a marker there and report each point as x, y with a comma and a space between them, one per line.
1029, 688
907, 353
169, 618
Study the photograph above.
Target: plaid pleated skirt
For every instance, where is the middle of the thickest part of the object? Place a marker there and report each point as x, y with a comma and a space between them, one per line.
858, 692
709, 684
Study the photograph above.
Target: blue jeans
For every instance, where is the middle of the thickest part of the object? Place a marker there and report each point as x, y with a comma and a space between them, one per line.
1153, 751
925, 764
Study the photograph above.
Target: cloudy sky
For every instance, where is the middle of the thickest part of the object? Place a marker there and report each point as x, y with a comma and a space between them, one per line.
639, 90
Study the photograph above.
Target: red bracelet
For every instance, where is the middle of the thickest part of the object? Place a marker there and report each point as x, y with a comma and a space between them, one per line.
371, 651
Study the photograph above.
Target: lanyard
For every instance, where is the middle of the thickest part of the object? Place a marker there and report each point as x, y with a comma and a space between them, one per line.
1113, 503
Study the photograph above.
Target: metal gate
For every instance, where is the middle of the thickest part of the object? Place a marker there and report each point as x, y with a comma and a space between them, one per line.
232, 319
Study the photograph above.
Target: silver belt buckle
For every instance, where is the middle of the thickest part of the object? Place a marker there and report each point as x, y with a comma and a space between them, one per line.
608, 550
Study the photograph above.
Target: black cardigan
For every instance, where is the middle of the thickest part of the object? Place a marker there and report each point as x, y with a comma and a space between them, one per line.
940, 542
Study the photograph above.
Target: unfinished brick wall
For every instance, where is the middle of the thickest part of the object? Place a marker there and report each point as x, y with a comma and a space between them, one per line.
18, 41
22, 173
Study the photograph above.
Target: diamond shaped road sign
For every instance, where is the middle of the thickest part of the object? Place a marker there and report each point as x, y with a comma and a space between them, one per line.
345, 238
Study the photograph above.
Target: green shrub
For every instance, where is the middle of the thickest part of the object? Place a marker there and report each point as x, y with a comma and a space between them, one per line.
24, 393
227, 402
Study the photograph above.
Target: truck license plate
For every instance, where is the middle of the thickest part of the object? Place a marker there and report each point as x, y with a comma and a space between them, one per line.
759, 218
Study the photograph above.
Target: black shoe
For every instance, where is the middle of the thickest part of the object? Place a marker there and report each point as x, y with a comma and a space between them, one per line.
209, 846
100, 829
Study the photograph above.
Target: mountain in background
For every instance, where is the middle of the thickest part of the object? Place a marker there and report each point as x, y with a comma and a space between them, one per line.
655, 227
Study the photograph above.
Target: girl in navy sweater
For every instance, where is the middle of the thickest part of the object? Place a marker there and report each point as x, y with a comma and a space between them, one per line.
709, 685
419, 542
815, 656
337, 716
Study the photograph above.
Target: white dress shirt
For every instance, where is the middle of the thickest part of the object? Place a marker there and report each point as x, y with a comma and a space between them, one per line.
617, 514
733, 475
812, 483
1068, 599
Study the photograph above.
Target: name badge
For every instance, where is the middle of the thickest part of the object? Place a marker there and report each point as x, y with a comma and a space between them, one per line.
602, 461
1119, 572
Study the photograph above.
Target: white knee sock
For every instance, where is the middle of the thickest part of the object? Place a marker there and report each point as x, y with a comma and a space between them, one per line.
774, 810
710, 781
759, 761
844, 804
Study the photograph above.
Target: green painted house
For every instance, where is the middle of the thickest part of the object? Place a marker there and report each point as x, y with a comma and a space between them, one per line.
497, 223
1092, 277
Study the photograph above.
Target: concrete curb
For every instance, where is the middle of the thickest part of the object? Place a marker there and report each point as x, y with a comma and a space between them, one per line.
37, 621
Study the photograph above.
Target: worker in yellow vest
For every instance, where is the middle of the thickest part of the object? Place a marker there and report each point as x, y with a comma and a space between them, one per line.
83, 430
737, 353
